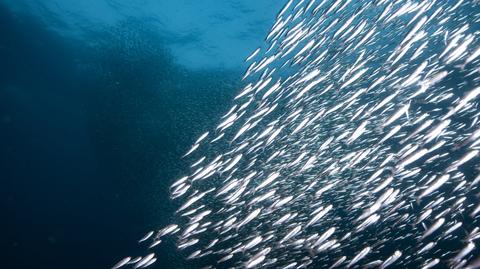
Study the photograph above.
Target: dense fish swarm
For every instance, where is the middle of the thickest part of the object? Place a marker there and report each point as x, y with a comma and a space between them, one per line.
355, 143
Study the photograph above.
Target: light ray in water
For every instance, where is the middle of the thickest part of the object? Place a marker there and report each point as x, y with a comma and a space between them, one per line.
355, 142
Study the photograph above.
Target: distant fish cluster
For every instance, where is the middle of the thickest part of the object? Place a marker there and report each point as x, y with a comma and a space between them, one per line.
355, 143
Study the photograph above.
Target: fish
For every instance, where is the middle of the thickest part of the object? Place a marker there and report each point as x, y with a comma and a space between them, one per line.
141, 263
353, 141
147, 236
435, 185
359, 256
122, 262
435, 226
390, 260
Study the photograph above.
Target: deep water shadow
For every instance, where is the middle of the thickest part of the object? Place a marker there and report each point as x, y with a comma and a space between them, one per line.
90, 137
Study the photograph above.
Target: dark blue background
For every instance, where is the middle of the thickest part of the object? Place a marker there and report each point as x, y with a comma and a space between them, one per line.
90, 139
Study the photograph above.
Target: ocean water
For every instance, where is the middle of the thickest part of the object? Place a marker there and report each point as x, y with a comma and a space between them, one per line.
244, 134
98, 101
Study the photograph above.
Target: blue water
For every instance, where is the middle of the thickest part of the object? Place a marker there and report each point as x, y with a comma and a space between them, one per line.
98, 101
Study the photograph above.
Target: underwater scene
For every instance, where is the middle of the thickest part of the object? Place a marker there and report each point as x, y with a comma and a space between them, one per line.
240, 134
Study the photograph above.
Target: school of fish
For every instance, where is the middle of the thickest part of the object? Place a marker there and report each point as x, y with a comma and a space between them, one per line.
355, 143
